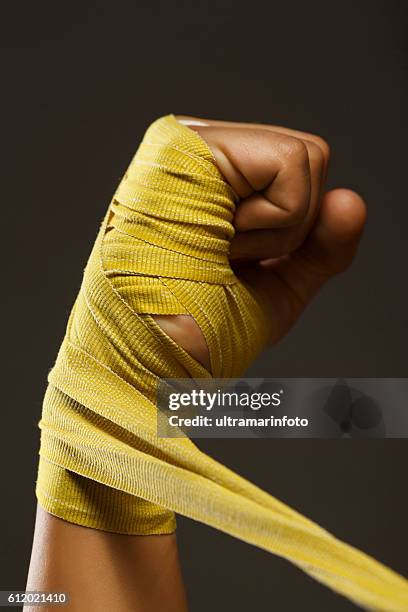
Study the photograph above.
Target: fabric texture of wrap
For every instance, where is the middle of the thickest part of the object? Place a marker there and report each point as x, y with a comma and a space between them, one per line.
163, 248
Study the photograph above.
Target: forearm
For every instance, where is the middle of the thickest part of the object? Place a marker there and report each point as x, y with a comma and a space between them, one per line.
104, 571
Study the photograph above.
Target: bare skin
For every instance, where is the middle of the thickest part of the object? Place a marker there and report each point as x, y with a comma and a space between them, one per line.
105, 571
291, 237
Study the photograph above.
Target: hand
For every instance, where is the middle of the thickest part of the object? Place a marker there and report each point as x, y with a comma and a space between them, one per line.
291, 237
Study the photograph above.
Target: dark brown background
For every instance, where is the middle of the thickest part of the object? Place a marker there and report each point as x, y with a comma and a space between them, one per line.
80, 84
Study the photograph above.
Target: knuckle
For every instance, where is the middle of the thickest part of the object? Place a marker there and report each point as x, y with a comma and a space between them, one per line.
293, 148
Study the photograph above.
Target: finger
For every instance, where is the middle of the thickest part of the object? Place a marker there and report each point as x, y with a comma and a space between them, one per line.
263, 243
269, 172
301, 135
253, 246
331, 246
288, 284
318, 148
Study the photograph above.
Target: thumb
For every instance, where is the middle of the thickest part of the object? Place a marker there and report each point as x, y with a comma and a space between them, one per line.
331, 245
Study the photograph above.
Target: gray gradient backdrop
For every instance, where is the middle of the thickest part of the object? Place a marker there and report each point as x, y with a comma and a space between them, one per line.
80, 84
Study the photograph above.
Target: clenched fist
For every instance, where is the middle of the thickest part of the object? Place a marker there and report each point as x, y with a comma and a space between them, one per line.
291, 236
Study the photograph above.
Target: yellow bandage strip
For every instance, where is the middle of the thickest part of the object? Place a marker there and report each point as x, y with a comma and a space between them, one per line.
163, 248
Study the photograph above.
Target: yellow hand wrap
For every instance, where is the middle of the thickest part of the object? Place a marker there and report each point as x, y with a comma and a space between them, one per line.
163, 249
